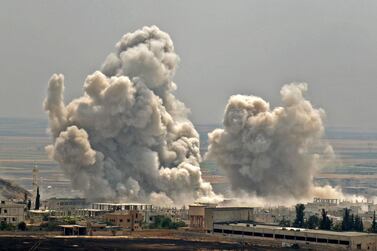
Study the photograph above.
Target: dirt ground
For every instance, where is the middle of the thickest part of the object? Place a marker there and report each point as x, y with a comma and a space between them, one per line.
143, 240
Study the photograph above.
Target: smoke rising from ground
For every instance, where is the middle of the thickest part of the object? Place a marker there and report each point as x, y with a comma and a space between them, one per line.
272, 153
128, 137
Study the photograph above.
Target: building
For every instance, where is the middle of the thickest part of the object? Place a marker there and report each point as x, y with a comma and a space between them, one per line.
66, 206
146, 210
122, 206
126, 219
227, 214
196, 216
303, 238
12, 213
203, 216
89, 213
73, 229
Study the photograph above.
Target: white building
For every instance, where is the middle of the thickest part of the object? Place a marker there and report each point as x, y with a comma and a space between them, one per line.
66, 206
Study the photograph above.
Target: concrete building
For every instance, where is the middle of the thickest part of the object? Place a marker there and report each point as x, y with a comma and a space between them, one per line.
126, 219
122, 206
196, 216
66, 206
203, 216
12, 213
146, 210
214, 215
275, 236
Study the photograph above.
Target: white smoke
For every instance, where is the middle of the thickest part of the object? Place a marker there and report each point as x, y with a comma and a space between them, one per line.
274, 153
128, 136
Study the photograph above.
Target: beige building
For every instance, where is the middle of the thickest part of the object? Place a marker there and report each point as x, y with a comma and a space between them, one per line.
12, 213
126, 219
196, 216
203, 216
275, 236
214, 215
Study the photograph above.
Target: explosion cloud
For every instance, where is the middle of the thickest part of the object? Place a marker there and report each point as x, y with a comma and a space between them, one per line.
271, 153
128, 137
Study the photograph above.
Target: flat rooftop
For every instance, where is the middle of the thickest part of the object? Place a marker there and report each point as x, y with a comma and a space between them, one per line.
293, 229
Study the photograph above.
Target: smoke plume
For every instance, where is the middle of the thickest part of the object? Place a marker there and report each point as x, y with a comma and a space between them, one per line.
271, 153
128, 137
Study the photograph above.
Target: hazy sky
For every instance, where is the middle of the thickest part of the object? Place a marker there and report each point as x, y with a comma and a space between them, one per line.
226, 47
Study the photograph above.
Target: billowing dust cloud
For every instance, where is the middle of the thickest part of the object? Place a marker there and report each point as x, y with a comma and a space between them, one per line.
128, 137
272, 153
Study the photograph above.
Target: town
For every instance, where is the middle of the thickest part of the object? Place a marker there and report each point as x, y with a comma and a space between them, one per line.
328, 224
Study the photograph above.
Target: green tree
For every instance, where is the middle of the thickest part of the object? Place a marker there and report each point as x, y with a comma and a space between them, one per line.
352, 222
373, 228
284, 222
21, 226
348, 221
358, 226
165, 222
299, 221
28, 204
5, 226
313, 222
325, 222
37, 200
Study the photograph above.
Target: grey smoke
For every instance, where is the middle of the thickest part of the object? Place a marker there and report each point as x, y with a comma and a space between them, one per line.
271, 153
128, 137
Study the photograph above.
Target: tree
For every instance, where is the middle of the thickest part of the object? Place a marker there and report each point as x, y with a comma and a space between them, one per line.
28, 204
299, 221
284, 222
325, 222
358, 226
21, 226
165, 222
352, 222
346, 223
313, 222
373, 228
37, 200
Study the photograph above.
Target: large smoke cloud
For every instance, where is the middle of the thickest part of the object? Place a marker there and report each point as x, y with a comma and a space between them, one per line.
271, 153
128, 136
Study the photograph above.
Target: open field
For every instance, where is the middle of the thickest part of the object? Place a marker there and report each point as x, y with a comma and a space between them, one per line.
23, 141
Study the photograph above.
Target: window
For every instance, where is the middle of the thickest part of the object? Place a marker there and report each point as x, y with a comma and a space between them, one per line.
269, 235
128, 220
226, 231
344, 242
258, 234
121, 220
321, 240
300, 238
279, 236
13, 219
5, 211
248, 233
311, 239
358, 246
289, 237
217, 230
332, 241
238, 232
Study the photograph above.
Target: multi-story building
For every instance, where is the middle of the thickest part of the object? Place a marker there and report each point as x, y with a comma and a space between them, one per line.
66, 206
12, 213
146, 210
131, 219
